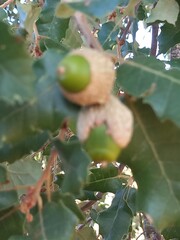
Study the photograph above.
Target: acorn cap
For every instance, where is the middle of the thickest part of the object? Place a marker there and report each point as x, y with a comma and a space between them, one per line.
101, 80
117, 117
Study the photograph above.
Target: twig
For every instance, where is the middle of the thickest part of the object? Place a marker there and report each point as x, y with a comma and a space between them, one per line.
150, 230
92, 202
86, 31
121, 40
142, 225
33, 193
155, 28
6, 3
84, 224
126, 30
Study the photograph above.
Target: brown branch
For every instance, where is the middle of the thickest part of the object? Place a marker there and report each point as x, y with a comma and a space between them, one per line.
89, 204
6, 3
155, 28
121, 40
126, 30
86, 31
149, 229
33, 193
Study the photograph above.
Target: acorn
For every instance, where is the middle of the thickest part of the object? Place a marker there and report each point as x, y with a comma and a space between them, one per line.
86, 76
105, 129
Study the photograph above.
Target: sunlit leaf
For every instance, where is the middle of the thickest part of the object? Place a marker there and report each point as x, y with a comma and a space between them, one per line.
147, 78
170, 12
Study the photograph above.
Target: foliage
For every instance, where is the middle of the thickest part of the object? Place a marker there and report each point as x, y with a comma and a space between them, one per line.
50, 189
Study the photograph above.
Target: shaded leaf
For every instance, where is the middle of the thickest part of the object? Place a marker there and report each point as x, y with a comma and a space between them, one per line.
172, 232
86, 233
23, 172
153, 156
170, 12
75, 163
3, 175
63, 10
8, 199
104, 180
10, 152
148, 79
49, 25
3, 14
72, 38
16, 75
95, 8
115, 221
69, 201
107, 35
11, 222
54, 222
169, 36
29, 13
18, 237
22, 126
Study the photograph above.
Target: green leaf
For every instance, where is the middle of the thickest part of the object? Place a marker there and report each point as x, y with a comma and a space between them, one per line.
70, 203
170, 12
169, 36
63, 10
95, 8
73, 37
115, 221
11, 222
107, 35
18, 237
172, 232
16, 75
153, 156
75, 163
86, 233
22, 126
10, 152
54, 222
3, 175
8, 199
23, 172
49, 25
104, 180
30, 12
148, 79
3, 14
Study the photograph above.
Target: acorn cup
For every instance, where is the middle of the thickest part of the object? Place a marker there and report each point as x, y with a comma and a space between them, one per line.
86, 77
105, 129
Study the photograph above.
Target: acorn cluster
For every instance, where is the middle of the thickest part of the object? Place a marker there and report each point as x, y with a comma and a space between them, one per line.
104, 126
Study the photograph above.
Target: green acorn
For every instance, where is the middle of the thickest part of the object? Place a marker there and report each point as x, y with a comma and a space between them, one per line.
105, 129
86, 76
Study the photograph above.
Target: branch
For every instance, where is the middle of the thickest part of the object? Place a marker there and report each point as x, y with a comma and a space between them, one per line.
150, 230
86, 31
6, 3
121, 40
155, 28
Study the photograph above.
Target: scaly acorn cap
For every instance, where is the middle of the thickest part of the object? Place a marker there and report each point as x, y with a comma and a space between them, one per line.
117, 117
102, 76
